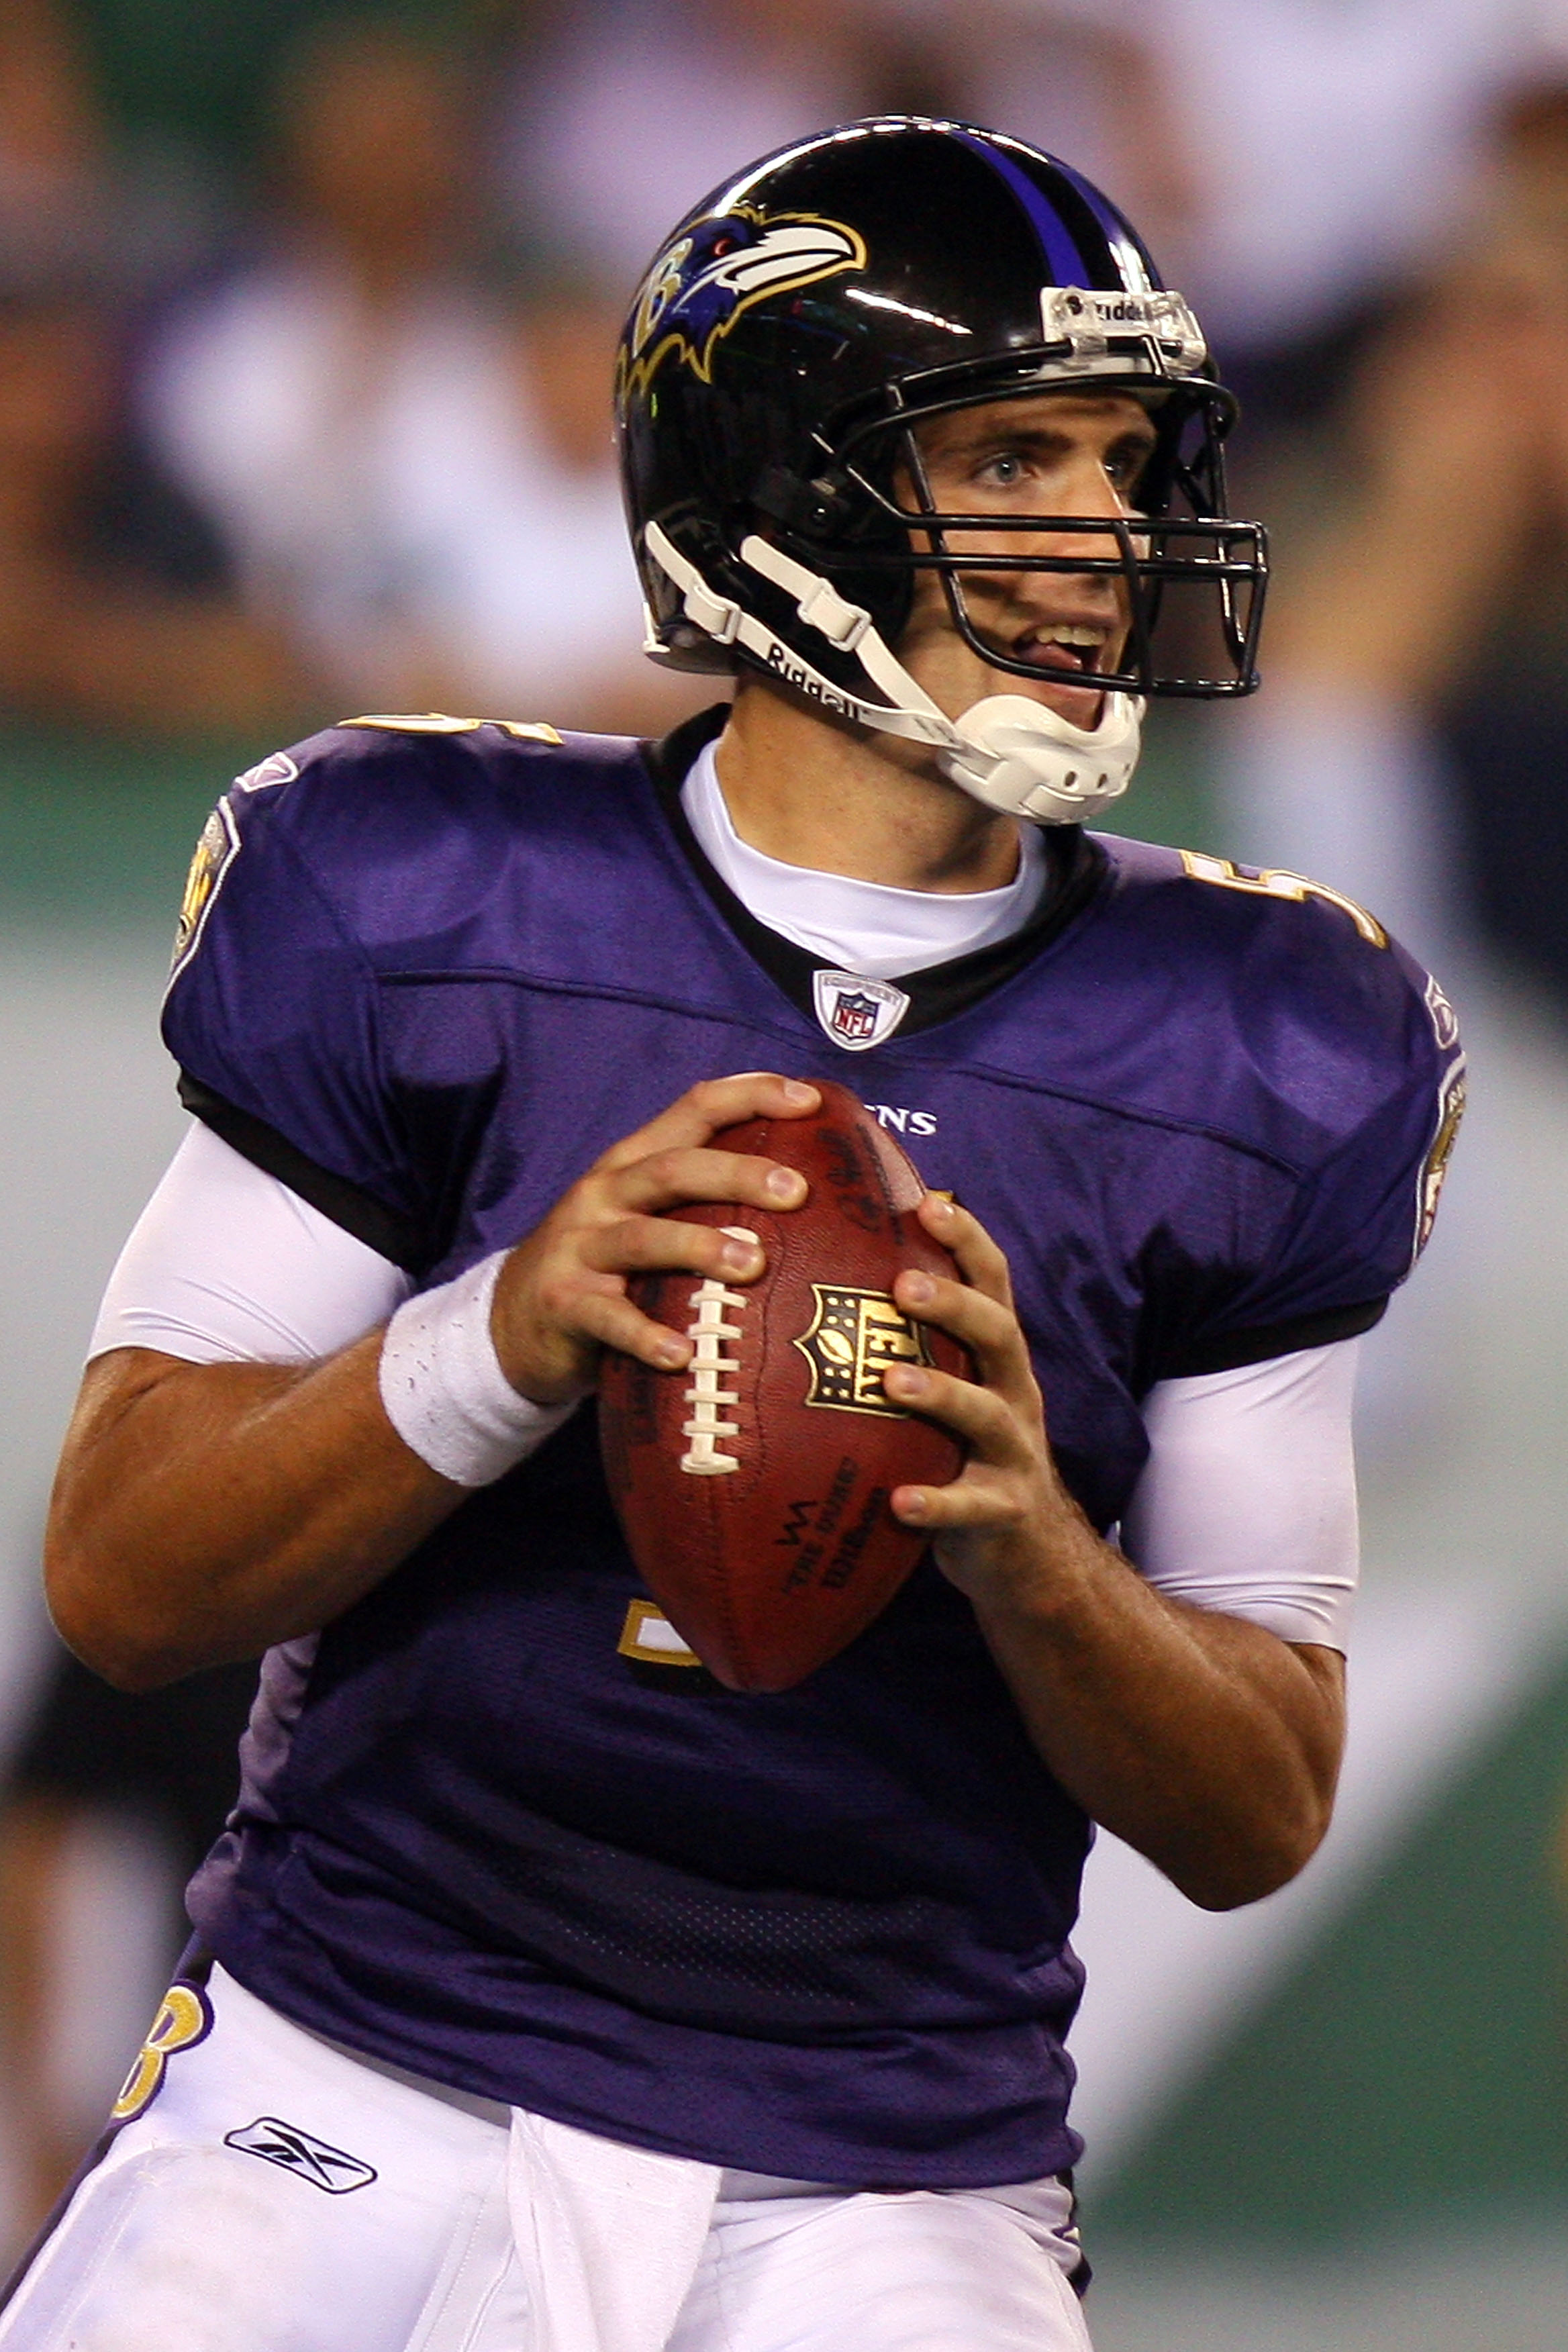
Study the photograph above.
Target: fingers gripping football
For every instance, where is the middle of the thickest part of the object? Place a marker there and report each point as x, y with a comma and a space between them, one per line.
1009, 1482
753, 1489
561, 1297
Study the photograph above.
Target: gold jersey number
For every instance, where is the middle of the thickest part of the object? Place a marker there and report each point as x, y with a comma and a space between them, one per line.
1275, 882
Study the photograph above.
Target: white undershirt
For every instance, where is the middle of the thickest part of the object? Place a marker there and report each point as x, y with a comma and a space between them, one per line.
865, 926
1247, 1503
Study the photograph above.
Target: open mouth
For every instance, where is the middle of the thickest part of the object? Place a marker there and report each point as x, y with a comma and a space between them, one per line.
1066, 645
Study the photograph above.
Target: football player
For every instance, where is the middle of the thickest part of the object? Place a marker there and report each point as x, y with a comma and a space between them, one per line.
544, 1991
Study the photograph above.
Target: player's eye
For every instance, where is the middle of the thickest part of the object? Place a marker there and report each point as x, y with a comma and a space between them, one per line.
1126, 465
1005, 471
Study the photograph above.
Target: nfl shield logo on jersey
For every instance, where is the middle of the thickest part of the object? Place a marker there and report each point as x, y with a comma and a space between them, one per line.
855, 1012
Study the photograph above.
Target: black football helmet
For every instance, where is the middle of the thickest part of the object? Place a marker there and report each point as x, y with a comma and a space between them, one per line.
788, 340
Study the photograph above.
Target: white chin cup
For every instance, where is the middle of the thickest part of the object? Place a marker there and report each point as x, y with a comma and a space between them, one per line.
1022, 757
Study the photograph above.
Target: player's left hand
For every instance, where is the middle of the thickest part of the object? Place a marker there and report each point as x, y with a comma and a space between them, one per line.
993, 1521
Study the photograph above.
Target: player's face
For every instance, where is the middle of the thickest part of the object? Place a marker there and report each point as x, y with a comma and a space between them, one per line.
1059, 452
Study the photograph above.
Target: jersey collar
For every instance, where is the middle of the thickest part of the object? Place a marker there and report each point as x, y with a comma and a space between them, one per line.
1076, 867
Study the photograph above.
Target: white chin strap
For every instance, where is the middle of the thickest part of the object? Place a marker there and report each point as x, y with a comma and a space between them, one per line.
1011, 752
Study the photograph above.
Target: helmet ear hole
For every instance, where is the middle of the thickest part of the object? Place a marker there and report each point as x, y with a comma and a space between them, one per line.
817, 508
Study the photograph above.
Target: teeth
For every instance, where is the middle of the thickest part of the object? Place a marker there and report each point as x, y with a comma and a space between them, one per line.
1071, 636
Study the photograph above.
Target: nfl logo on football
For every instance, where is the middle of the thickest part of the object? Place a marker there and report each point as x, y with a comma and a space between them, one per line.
855, 1012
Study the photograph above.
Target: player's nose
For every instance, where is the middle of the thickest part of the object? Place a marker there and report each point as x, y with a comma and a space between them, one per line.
1093, 493
1083, 529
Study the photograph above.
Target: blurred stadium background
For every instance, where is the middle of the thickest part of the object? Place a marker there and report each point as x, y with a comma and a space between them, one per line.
305, 315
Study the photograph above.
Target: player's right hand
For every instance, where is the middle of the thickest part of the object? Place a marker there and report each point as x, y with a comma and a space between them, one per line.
561, 1296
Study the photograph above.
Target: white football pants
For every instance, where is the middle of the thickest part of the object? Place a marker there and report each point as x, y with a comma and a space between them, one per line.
278, 2195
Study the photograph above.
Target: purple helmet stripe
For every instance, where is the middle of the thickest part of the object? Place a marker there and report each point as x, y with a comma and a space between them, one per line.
1135, 269
1064, 262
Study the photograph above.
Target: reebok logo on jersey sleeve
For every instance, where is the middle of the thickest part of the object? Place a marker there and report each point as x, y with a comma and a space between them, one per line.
300, 2151
277, 768
1445, 1019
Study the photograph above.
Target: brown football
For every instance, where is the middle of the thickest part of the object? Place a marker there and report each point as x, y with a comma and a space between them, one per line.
753, 1487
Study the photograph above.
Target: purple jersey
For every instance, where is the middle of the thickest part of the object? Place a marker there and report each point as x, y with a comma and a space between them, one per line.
427, 977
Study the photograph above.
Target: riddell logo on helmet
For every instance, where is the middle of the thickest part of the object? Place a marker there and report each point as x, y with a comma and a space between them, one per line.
1079, 317
1136, 312
805, 682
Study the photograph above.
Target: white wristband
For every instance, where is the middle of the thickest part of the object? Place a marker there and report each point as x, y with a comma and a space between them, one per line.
445, 1391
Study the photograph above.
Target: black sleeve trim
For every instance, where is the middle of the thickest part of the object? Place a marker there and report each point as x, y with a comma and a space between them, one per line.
1235, 1349
358, 1213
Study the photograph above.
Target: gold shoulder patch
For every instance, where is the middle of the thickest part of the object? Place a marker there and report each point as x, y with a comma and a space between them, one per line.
1450, 1111
437, 723
215, 852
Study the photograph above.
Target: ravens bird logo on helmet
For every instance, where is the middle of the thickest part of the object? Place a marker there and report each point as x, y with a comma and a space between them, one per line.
697, 288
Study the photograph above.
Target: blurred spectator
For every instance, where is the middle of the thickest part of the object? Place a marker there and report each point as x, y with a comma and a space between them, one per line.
113, 603
1506, 720
1337, 146
627, 112
163, 1768
184, 84
1411, 743
113, 606
502, 468
1436, 582
67, 167
410, 471
48, 134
